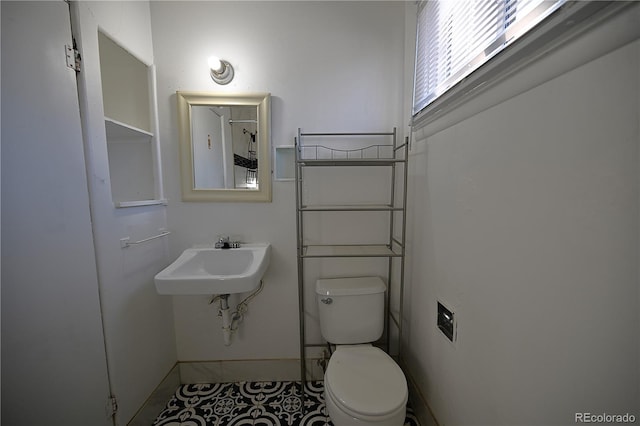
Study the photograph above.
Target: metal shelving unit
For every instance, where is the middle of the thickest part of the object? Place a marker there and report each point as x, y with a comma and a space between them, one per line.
340, 151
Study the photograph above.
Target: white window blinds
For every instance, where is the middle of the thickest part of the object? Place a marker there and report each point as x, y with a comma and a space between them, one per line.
455, 37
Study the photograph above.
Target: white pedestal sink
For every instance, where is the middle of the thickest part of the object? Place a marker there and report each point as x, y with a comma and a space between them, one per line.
215, 271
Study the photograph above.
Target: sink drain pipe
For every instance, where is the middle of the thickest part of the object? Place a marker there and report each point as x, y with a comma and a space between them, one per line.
225, 313
230, 319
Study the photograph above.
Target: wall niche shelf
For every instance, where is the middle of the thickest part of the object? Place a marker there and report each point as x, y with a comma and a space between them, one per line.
284, 163
140, 203
118, 132
131, 126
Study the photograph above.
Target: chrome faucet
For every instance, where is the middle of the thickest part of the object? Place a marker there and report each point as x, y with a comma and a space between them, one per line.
225, 243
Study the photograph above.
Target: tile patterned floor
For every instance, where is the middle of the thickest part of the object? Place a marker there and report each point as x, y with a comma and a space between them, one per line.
249, 403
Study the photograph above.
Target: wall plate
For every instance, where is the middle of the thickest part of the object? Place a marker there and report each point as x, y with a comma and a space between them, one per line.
446, 322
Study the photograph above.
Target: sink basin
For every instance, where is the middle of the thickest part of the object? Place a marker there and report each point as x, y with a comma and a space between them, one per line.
215, 271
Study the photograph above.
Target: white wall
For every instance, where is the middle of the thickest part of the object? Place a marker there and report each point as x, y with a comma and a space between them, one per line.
524, 220
332, 66
137, 321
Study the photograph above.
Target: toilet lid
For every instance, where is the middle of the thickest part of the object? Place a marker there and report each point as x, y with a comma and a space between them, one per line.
366, 380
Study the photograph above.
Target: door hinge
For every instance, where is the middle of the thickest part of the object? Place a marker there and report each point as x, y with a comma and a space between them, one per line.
73, 57
112, 406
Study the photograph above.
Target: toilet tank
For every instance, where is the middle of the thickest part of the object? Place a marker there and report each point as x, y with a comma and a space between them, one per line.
351, 309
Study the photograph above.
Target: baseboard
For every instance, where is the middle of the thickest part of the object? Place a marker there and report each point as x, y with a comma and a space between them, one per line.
417, 400
269, 370
158, 399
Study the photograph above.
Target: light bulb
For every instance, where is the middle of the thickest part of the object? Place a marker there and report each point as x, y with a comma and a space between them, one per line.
215, 64
220, 70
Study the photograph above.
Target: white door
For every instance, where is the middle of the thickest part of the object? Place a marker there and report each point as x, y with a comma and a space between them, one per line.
207, 141
54, 369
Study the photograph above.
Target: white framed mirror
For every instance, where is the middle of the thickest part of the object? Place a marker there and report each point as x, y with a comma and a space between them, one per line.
225, 144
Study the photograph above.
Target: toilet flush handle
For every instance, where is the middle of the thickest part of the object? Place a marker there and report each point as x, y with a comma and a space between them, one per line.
327, 300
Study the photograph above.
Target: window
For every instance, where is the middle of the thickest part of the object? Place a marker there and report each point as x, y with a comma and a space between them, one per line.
456, 37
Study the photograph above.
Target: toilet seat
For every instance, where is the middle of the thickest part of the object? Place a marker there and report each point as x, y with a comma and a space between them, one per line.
365, 382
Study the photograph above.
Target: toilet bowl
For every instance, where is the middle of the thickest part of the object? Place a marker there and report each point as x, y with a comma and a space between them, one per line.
364, 386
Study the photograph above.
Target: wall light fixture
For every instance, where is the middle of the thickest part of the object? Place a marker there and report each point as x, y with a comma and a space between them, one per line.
221, 71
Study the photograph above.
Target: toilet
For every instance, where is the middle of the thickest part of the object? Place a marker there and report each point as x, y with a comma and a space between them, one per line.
362, 384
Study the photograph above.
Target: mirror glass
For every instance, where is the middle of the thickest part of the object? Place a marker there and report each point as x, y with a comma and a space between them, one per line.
224, 146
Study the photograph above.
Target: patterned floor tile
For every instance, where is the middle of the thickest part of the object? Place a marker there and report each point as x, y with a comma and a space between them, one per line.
250, 404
